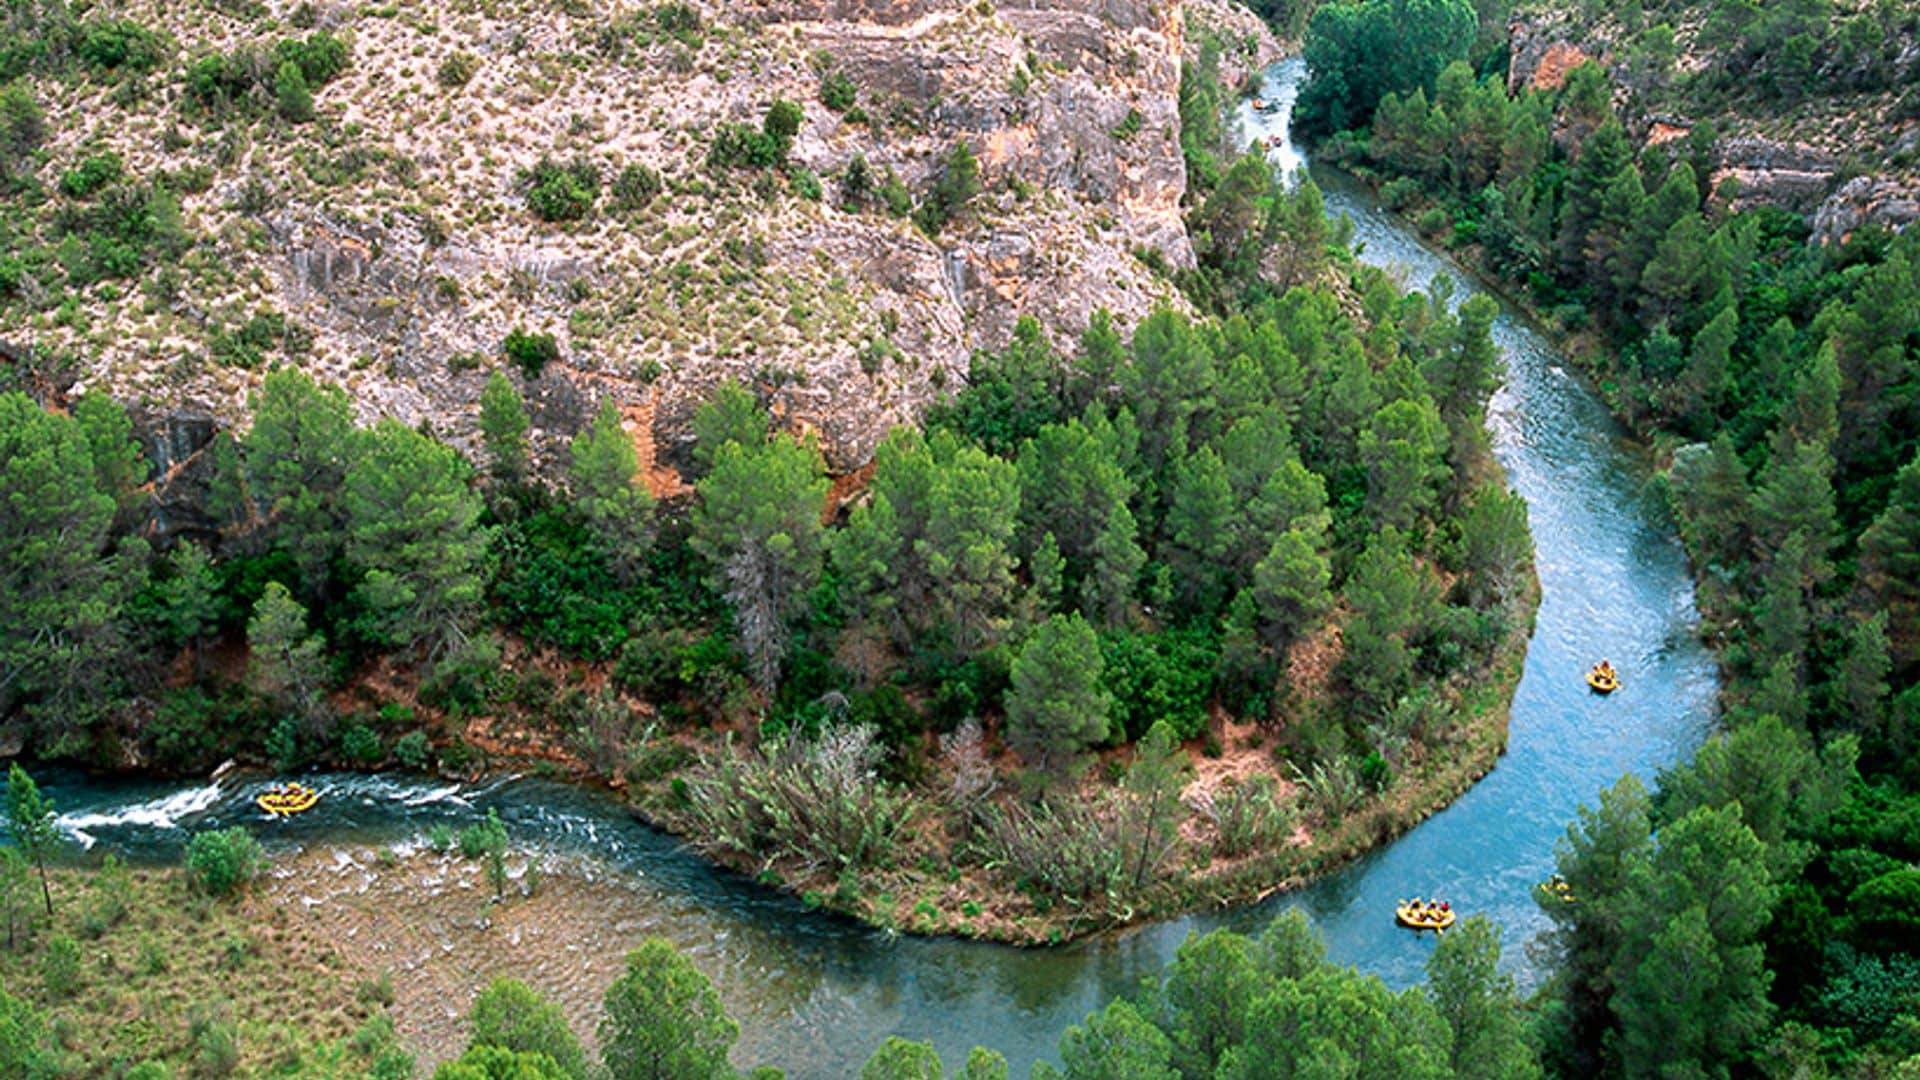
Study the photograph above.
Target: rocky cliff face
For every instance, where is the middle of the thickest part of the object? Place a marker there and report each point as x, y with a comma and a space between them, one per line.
394, 231
1803, 155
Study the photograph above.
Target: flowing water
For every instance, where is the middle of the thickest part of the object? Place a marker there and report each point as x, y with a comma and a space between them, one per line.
815, 994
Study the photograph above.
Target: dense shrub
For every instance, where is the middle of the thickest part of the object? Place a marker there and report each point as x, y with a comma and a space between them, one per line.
558, 192
957, 184
635, 187
91, 175
458, 69
739, 146
225, 860
818, 801
1160, 676
531, 352
837, 91
116, 44
320, 57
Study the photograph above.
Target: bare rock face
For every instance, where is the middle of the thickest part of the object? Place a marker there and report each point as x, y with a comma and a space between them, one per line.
1247, 44
1770, 173
845, 319
1539, 54
1866, 200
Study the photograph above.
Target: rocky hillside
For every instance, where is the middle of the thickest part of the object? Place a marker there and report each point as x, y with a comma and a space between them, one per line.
382, 194
1817, 106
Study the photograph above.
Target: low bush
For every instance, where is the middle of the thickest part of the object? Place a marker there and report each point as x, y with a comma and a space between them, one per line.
819, 802
60, 966
635, 187
360, 745
531, 352
837, 91
1065, 845
1251, 816
458, 70
557, 192
91, 175
120, 44
413, 750
223, 861
320, 56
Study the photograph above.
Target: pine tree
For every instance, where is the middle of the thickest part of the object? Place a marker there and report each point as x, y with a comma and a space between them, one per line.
1605, 849
1117, 559
664, 1020
1403, 450
1694, 977
117, 468
297, 454
1712, 487
287, 664
1812, 415
61, 635
1291, 588
610, 494
1674, 278
731, 415
1476, 999
758, 527
29, 817
503, 430
1496, 545
413, 530
1117, 1041
1057, 705
1463, 376
1604, 159
190, 598
903, 1059
1890, 563
1391, 598
1613, 261
1861, 686
1795, 497
1154, 811
1204, 520
1709, 366
513, 1016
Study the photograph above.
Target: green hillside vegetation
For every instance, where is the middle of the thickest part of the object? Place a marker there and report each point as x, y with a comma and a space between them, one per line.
1781, 380
1281, 512
166, 980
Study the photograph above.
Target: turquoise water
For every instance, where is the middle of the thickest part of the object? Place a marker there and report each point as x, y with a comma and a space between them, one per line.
814, 994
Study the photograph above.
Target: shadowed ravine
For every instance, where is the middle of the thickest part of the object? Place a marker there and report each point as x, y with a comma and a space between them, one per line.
815, 994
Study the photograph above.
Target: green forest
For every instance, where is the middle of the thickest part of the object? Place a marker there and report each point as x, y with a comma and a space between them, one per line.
998, 656
1779, 379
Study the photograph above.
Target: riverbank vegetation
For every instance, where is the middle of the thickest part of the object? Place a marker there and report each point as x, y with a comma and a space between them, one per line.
1241, 591
1779, 378
145, 973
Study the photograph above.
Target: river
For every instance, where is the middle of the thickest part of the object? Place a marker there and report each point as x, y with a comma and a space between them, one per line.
815, 994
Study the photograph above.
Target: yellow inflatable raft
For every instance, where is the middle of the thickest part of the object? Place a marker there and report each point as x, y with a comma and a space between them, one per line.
288, 799
1423, 916
1603, 681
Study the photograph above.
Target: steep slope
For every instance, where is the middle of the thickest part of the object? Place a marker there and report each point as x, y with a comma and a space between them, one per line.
1817, 105
389, 242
